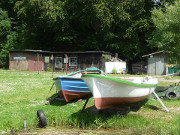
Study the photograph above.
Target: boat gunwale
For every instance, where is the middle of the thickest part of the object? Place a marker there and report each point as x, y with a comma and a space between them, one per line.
87, 69
120, 80
67, 77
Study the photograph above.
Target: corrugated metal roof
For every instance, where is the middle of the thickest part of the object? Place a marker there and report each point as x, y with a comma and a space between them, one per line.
152, 54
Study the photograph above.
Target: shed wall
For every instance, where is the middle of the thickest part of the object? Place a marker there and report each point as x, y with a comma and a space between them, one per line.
156, 65
83, 61
33, 61
119, 66
25, 61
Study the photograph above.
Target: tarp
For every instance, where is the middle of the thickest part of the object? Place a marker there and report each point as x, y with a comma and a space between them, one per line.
171, 92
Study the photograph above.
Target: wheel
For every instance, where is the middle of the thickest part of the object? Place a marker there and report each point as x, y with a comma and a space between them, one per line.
42, 118
171, 95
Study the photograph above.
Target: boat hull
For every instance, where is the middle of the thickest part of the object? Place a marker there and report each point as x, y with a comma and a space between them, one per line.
71, 88
107, 102
109, 92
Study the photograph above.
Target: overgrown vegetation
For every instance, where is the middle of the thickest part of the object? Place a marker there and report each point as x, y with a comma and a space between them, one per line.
23, 93
106, 58
121, 27
114, 71
166, 37
129, 28
7, 37
49, 69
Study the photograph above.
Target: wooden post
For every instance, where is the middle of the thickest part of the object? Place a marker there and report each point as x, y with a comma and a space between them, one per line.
19, 60
24, 124
38, 62
10, 62
66, 62
52, 58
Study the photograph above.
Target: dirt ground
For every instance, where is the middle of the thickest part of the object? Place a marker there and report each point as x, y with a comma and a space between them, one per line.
56, 131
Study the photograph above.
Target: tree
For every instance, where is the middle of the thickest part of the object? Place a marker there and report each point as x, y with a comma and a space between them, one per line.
7, 37
81, 25
166, 36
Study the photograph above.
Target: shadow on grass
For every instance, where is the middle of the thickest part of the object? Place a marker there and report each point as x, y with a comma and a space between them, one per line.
87, 119
57, 100
91, 117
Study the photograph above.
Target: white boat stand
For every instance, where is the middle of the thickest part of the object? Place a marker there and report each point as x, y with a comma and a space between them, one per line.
160, 101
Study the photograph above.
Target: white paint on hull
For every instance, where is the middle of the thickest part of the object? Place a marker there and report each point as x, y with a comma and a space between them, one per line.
107, 88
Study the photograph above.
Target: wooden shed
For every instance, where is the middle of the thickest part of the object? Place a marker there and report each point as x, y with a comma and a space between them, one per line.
156, 63
38, 60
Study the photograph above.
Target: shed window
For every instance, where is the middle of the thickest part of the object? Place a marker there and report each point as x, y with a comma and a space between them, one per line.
58, 62
72, 61
46, 59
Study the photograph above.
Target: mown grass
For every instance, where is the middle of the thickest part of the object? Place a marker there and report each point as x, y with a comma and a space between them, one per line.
23, 93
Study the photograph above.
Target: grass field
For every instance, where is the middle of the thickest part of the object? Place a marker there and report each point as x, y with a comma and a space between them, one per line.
23, 93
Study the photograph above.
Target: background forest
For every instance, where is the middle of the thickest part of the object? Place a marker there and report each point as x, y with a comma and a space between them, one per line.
127, 27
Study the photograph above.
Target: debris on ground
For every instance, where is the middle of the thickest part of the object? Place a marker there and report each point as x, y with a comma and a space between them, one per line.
170, 92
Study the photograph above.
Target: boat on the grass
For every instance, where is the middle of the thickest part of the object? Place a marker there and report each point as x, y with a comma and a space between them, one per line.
71, 87
109, 91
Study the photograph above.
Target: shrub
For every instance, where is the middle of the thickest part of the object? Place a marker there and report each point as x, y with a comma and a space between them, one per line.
106, 58
49, 69
114, 71
62, 70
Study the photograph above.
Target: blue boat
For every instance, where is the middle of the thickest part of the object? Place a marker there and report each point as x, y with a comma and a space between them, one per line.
72, 87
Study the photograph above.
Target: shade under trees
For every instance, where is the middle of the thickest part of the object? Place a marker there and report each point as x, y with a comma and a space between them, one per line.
116, 26
121, 27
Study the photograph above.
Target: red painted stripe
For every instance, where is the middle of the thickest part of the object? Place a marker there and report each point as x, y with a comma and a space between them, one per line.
71, 95
102, 103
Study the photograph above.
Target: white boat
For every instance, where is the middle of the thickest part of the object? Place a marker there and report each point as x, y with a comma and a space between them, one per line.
110, 91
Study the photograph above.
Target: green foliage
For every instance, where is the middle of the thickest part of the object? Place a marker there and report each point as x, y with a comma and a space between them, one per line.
166, 35
62, 70
114, 71
7, 37
106, 58
49, 69
115, 26
121, 27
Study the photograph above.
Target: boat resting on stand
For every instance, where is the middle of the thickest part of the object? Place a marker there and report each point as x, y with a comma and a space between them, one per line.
71, 87
109, 91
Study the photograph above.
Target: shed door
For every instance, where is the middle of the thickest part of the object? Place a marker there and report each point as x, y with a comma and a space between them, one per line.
151, 66
160, 66
156, 66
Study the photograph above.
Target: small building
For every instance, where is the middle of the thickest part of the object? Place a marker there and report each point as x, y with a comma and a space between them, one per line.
38, 60
118, 67
156, 63
139, 68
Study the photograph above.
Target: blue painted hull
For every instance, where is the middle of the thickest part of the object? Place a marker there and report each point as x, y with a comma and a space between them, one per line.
71, 88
